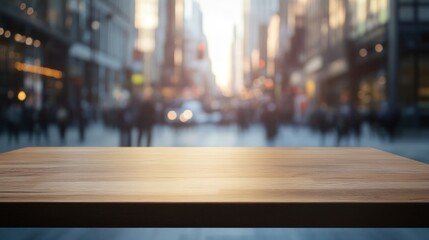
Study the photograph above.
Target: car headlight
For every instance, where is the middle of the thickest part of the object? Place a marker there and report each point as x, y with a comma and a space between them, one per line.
186, 116
171, 115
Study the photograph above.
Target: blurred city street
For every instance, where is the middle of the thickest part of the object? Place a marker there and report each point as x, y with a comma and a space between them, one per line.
411, 143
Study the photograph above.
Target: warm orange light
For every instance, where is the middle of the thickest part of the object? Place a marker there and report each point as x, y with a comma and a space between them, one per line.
28, 41
378, 47
36, 43
261, 63
49, 72
22, 96
30, 11
171, 115
18, 37
269, 84
363, 52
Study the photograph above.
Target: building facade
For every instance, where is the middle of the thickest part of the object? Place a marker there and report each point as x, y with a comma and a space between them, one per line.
65, 51
181, 51
257, 14
375, 52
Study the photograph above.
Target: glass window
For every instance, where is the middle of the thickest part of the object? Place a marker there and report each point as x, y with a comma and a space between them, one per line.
406, 13
423, 13
406, 80
423, 91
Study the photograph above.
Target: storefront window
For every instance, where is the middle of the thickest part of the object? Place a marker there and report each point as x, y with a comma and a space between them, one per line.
423, 13
423, 91
406, 80
406, 13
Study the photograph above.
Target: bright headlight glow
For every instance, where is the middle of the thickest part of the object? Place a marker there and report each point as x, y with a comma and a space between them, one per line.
182, 118
171, 115
187, 114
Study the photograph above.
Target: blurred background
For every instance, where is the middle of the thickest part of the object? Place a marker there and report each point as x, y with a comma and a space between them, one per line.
216, 73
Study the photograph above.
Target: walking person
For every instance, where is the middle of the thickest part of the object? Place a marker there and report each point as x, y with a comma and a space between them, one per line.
270, 120
343, 119
13, 121
62, 121
146, 121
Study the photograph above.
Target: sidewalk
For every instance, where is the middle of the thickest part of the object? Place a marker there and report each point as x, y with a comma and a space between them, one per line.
413, 144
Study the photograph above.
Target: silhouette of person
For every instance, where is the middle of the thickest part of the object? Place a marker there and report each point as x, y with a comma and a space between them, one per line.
146, 121
62, 121
270, 121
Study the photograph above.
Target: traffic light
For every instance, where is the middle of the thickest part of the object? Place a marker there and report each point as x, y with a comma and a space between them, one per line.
201, 50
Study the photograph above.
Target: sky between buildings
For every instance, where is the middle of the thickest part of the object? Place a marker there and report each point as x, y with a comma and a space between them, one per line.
219, 18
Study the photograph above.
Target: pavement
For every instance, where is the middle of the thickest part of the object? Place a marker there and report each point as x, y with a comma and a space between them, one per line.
413, 144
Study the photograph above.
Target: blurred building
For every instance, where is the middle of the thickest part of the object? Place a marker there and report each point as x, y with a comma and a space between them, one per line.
182, 51
373, 51
146, 22
33, 52
257, 14
65, 51
197, 64
236, 83
408, 71
169, 47
101, 51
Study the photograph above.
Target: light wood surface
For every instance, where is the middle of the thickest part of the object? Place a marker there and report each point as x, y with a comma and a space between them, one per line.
151, 176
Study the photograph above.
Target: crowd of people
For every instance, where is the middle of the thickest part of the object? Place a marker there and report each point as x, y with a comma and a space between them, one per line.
346, 122
19, 120
140, 115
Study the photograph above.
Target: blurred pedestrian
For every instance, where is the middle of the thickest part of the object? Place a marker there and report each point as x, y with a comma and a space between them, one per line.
42, 123
388, 120
127, 119
270, 120
356, 124
82, 119
62, 115
243, 117
145, 121
321, 121
343, 119
28, 121
13, 121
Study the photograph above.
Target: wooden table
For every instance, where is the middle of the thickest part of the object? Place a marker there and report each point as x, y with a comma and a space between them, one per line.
212, 187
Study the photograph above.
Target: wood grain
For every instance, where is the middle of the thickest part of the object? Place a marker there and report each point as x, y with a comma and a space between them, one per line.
168, 181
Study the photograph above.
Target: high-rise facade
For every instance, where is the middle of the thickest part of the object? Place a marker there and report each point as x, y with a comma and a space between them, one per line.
257, 14
375, 52
65, 51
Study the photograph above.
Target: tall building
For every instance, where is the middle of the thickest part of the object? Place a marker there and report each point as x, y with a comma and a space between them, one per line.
146, 22
101, 52
33, 52
196, 62
182, 50
373, 51
408, 72
169, 45
236, 83
257, 14
65, 51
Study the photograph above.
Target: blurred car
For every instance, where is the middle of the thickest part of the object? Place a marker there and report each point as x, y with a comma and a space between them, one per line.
190, 112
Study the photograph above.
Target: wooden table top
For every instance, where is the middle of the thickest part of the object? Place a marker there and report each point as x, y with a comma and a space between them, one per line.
203, 186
